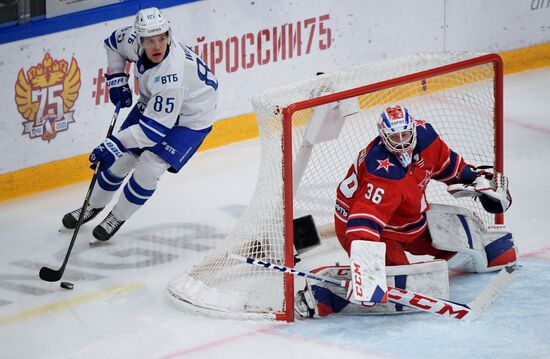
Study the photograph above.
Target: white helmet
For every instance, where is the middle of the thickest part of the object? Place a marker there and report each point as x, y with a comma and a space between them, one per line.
397, 130
151, 22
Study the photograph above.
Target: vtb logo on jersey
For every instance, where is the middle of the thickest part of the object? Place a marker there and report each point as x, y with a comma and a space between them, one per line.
167, 78
45, 96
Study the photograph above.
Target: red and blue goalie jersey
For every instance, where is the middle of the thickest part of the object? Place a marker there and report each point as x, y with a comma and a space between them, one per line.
380, 200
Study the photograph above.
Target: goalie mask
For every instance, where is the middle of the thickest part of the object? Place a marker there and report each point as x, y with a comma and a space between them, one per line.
397, 129
151, 22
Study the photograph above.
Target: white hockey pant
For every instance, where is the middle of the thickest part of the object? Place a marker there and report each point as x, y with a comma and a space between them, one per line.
478, 248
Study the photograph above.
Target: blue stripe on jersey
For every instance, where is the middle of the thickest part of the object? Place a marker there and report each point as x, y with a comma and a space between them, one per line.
153, 129
112, 40
499, 246
410, 227
363, 222
450, 167
379, 153
108, 181
467, 175
401, 283
135, 193
466, 229
425, 137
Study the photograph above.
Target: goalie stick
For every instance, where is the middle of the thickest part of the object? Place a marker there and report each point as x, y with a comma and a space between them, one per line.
52, 275
411, 299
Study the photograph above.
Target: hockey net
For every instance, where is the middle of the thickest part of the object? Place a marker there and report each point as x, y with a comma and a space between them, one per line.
459, 93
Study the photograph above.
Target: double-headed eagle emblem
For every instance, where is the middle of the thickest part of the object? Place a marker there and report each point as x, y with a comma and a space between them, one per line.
45, 95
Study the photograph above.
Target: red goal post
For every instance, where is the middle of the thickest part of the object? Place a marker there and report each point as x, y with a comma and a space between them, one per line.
460, 93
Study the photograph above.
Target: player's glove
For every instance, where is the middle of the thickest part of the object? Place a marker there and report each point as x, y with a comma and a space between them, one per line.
119, 91
107, 153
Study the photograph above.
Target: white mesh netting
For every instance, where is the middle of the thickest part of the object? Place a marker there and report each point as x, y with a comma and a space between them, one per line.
460, 105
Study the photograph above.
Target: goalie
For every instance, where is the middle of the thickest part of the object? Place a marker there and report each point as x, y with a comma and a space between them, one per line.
381, 212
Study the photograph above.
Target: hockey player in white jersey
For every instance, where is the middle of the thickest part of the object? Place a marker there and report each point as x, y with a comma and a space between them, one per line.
175, 112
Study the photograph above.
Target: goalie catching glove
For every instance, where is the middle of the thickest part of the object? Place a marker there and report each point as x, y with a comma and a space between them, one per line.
491, 190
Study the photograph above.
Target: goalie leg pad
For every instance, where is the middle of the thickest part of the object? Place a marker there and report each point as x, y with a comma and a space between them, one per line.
427, 277
329, 300
500, 248
477, 248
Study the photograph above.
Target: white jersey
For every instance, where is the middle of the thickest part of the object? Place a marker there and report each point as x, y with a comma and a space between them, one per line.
178, 91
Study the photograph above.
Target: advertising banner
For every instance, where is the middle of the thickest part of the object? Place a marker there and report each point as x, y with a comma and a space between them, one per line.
55, 104
63, 7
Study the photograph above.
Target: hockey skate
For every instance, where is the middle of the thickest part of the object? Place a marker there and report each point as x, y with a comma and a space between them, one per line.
71, 219
107, 228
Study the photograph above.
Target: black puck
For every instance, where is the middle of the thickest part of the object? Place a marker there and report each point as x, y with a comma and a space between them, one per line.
66, 285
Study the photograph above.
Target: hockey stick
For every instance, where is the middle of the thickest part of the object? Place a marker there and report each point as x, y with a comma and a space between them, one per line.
411, 299
51, 275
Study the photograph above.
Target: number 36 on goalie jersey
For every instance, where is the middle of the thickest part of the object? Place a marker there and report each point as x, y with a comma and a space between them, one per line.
349, 186
380, 199
356, 192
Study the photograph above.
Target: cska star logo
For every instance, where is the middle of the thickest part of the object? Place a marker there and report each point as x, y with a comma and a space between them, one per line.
385, 164
46, 95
